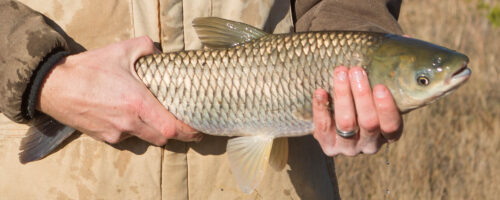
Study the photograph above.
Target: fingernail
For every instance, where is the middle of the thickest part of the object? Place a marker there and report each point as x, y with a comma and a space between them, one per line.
380, 92
357, 75
341, 75
319, 97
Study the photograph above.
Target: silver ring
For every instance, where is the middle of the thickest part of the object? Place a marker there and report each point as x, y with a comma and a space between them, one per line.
346, 134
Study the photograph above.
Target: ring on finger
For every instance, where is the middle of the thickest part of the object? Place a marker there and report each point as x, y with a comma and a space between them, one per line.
346, 134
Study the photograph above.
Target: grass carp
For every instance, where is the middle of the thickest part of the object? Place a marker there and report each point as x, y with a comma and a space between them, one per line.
259, 86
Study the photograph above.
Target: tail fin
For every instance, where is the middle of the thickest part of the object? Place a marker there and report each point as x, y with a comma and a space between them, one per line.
42, 138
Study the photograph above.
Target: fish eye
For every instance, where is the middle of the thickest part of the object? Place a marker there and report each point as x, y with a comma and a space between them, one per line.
423, 80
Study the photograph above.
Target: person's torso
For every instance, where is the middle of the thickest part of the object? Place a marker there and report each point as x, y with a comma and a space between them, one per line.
89, 169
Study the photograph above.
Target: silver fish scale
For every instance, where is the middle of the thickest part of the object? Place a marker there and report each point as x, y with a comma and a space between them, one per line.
260, 87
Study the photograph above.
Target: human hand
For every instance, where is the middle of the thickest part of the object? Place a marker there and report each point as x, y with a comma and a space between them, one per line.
374, 115
98, 92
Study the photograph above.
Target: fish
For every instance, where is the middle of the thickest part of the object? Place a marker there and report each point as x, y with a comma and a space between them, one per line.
256, 87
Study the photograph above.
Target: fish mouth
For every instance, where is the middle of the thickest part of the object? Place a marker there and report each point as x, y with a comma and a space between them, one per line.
457, 78
461, 75
453, 82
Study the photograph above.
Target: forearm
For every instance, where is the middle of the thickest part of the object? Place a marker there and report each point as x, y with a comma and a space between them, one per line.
360, 15
27, 41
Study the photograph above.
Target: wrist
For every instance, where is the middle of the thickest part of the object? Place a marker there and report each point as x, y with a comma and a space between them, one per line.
38, 78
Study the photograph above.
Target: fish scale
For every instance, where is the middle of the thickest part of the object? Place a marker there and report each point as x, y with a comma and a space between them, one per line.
265, 81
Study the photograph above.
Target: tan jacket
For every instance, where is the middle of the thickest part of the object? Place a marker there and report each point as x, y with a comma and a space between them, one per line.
89, 169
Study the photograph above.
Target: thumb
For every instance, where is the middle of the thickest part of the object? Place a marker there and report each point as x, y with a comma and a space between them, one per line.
138, 47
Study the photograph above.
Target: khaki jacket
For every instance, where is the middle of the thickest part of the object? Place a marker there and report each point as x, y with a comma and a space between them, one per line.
89, 169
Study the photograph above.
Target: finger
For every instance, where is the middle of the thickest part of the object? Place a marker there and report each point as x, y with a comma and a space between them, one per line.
186, 137
363, 100
388, 113
345, 114
366, 111
324, 132
149, 134
110, 137
344, 111
156, 116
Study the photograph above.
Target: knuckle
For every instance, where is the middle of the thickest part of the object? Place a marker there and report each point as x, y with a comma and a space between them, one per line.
362, 92
112, 138
161, 141
131, 109
341, 92
169, 132
341, 89
351, 152
126, 124
133, 103
371, 149
370, 123
346, 123
323, 125
329, 151
391, 128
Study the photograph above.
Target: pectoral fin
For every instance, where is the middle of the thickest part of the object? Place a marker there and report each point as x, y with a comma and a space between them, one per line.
42, 138
248, 157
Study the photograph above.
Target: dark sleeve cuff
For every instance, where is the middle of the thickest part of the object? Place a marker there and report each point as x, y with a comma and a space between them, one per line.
27, 40
33, 90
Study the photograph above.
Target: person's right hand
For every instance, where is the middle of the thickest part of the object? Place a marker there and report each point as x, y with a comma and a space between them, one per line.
98, 92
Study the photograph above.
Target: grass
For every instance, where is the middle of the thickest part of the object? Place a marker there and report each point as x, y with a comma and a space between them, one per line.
492, 12
450, 149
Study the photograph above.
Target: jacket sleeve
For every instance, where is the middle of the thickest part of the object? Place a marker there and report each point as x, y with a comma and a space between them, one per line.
26, 41
359, 15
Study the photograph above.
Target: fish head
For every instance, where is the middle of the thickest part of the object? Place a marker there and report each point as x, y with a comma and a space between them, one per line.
416, 72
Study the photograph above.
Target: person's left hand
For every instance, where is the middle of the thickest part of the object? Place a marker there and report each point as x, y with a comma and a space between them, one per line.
373, 114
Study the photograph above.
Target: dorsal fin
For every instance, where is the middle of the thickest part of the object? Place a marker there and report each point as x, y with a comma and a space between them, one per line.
215, 32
